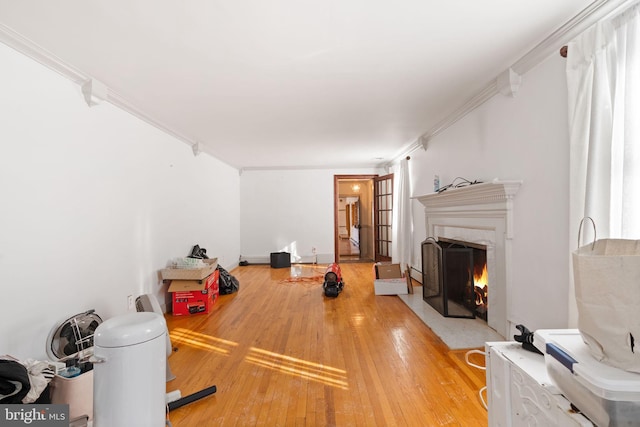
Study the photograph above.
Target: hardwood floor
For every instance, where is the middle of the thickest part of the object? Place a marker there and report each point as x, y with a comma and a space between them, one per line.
348, 250
282, 354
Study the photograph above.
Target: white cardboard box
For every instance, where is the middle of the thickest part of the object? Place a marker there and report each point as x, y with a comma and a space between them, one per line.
390, 286
388, 280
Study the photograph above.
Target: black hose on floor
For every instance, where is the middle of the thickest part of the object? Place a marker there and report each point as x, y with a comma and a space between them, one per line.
191, 398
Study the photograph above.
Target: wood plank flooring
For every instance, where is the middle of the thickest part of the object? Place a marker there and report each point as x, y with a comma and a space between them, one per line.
348, 250
282, 354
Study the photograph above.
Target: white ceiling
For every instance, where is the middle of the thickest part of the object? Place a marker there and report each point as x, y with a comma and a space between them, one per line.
292, 83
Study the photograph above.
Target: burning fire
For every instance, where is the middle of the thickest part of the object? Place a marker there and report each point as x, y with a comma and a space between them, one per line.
480, 282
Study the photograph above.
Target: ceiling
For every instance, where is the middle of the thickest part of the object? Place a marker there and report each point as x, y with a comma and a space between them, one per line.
291, 83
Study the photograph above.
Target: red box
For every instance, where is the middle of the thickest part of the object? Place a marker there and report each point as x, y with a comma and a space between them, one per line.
194, 296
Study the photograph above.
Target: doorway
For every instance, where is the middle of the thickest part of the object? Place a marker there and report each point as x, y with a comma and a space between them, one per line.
354, 234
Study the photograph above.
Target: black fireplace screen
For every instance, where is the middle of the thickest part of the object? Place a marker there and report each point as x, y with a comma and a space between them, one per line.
448, 268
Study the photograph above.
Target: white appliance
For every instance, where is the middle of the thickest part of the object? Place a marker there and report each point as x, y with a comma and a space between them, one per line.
520, 392
130, 371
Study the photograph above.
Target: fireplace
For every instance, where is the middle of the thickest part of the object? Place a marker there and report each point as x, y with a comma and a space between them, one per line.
455, 277
479, 214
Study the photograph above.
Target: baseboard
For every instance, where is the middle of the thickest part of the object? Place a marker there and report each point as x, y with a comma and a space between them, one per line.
232, 266
416, 275
257, 259
296, 259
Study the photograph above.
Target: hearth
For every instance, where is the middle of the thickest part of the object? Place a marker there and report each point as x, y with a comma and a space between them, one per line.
454, 277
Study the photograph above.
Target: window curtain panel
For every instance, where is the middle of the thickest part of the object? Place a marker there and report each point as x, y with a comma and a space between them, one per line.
402, 225
603, 77
603, 82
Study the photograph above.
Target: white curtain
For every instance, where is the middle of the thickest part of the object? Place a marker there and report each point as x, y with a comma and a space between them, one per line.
603, 77
402, 234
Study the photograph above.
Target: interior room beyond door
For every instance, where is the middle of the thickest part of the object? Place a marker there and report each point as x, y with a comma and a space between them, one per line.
353, 217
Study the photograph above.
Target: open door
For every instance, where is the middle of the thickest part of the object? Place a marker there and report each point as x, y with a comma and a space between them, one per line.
383, 213
354, 218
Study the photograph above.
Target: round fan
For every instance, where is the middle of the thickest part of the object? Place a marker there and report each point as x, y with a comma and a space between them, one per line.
73, 335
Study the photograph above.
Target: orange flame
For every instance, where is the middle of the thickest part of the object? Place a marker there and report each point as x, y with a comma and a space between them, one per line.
481, 280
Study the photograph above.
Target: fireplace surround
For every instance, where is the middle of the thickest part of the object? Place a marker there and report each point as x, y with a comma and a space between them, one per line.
481, 214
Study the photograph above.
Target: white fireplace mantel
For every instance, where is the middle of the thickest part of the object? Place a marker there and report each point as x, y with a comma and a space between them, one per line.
483, 199
480, 213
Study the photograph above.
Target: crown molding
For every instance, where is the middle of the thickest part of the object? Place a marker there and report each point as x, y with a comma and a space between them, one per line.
597, 10
25, 46
34, 51
351, 167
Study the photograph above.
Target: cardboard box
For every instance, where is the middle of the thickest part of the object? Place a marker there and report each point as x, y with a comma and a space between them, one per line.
389, 280
190, 273
388, 271
194, 296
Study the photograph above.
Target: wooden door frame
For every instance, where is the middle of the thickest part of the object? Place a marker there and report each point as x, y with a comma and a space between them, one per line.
336, 198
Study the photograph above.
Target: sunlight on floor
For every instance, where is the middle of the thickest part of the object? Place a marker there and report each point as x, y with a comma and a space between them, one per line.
203, 341
308, 270
357, 319
302, 368
303, 273
286, 364
401, 343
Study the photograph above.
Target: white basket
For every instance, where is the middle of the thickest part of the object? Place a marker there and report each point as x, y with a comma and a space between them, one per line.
77, 392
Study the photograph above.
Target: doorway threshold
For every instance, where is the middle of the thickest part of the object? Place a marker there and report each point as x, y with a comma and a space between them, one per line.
354, 260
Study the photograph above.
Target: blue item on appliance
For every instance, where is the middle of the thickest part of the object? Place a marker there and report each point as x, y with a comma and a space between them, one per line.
607, 395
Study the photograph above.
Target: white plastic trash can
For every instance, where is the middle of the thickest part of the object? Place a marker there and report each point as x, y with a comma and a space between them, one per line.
129, 372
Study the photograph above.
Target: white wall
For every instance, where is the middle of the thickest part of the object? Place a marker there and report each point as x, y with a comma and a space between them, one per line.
516, 138
289, 210
93, 203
